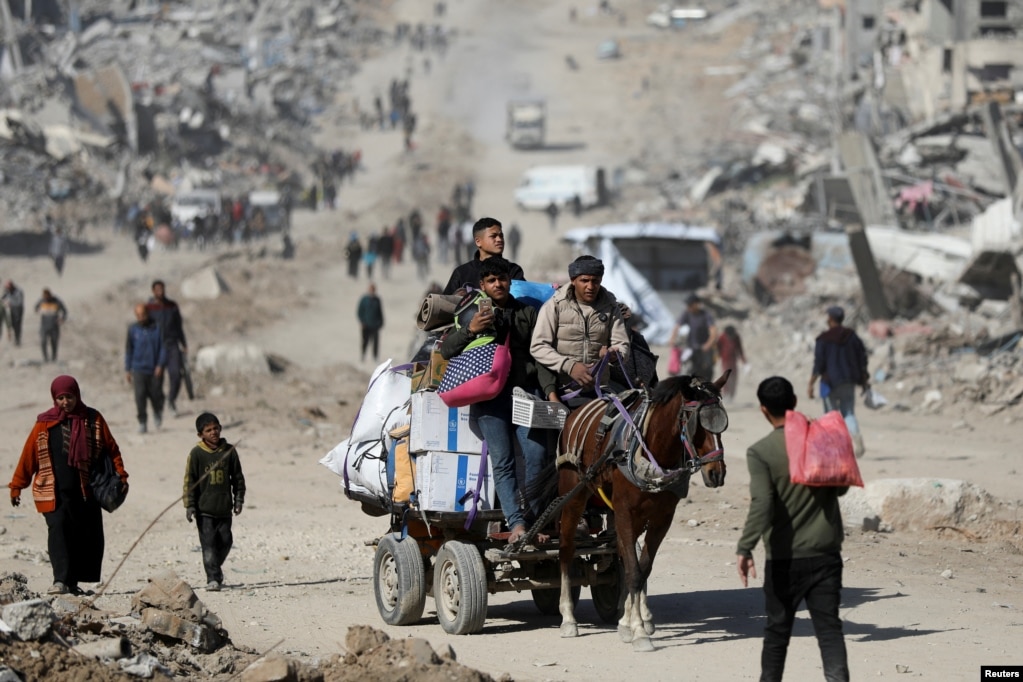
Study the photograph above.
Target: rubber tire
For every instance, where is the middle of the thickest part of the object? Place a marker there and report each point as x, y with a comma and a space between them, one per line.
548, 602
460, 588
605, 597
399, 580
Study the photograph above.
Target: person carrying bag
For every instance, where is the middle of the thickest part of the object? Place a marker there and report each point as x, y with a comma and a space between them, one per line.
495, 322
480, 370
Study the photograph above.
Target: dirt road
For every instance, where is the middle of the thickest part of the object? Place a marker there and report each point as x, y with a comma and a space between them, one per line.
301, 570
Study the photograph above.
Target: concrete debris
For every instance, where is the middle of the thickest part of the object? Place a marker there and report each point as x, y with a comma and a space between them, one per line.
29, 620
169, 607
233, 359
107, 98
108, 648
14, 588
271, 669
143, 665
916, 504
204, 285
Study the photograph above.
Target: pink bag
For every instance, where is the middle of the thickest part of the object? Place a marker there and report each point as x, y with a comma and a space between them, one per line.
820, 451
476, 374
675, 361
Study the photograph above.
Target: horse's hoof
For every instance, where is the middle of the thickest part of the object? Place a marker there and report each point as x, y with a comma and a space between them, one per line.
625, 632
642, 644
569, 630
648, 627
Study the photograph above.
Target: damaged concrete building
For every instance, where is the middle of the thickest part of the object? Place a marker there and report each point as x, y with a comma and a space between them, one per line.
220, 96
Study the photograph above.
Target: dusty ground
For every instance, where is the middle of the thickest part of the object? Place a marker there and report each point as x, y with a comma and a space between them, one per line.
300, 573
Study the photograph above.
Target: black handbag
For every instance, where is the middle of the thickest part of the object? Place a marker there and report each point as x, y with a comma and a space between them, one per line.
106, 485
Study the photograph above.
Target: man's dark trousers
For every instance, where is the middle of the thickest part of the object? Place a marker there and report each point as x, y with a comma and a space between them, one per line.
173, 371
17, 314
147, 385
818, 580
370, 335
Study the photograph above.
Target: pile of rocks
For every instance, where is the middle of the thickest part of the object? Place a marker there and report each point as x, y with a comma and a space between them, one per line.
170, 633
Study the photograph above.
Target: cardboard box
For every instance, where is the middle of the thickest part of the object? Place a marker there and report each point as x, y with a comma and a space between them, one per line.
427, 375
444, 478
418, 375
435, 426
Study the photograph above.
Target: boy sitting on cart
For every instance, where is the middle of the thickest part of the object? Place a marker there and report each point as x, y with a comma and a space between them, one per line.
508, 316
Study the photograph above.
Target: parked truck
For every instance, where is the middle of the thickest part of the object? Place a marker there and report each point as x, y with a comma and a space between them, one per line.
527, 120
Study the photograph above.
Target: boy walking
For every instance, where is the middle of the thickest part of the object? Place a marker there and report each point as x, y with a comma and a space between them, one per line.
214, 487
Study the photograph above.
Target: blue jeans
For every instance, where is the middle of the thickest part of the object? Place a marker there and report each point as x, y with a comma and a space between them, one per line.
843, 399
787, 583
494, 419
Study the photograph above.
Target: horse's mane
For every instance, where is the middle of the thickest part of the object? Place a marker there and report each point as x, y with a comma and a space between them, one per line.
691, 388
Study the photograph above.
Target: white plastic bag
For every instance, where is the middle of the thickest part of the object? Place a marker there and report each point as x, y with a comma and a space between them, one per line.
873, 399
365, 463
387, 393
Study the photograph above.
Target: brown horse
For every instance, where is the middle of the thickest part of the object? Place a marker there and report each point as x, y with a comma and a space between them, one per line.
643, 468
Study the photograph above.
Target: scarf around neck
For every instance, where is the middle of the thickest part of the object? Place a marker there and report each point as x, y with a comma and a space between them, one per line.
78, 445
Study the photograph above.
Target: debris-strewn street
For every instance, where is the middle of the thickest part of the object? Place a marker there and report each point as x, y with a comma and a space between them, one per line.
268, 159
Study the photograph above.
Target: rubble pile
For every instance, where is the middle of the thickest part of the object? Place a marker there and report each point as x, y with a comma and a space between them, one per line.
963, 362
171, 634
873, 161
218, 97
802, 84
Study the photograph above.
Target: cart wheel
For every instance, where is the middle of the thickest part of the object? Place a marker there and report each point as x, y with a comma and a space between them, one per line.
548, 602
399, 580
605, 597
460, 588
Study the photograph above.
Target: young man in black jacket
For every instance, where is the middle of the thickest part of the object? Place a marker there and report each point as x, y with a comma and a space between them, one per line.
840, 362
489, 237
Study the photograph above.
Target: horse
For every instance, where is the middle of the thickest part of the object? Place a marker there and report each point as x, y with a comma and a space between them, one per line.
641, 464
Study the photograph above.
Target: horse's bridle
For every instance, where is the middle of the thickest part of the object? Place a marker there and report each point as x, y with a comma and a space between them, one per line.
715, 421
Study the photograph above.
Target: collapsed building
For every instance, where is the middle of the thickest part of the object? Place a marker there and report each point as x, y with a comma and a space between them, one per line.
220, 97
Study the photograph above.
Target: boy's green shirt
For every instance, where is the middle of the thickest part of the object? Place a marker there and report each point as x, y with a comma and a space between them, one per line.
218, 493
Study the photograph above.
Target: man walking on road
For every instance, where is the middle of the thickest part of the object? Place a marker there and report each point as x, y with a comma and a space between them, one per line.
371, 317
52, 315
167, 316
14, 301
514, 239
702, 338
840, 362
145, 357
802, 531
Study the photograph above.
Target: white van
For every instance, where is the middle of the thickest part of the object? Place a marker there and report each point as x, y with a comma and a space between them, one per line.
188, 205
561, 185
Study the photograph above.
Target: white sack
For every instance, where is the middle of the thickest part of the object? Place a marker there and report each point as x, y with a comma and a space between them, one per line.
386, 397
366, 463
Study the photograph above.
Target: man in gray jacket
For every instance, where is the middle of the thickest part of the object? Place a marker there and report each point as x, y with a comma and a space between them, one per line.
578, 325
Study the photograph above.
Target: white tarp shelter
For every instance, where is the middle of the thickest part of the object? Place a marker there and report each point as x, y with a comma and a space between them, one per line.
641, 259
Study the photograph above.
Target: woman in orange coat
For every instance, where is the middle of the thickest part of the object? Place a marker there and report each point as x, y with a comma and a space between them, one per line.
64, 444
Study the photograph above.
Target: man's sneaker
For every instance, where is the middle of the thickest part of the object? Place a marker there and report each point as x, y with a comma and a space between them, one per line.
57, 588
142, 427
213, 586
173, 408
157, 420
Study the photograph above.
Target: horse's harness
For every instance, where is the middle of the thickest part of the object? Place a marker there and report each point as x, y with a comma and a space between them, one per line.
622, 422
